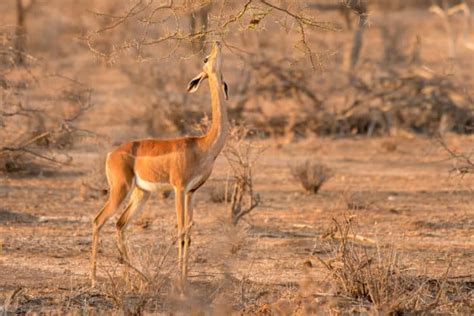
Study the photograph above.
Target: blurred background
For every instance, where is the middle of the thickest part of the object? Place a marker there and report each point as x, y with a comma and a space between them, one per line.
351, 147
72, 70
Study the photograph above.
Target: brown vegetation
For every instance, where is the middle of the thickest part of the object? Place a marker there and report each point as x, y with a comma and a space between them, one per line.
242, 157
378, 278
378, 95
311, 175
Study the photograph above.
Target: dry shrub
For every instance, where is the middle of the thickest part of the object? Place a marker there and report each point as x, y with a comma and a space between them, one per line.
270, 82
365, 277
221, 193
169, 110
389, 146
311, 175
39, 112
140, 289
406, 97
241, 155
218, 194
359, 201
379, 279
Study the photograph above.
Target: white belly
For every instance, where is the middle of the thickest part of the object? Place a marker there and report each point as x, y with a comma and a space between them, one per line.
149, 186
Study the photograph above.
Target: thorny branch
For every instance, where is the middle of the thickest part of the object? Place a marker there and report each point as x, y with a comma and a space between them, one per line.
303, 21
28, 146
37, 140
241, 155
463, 163
219, 24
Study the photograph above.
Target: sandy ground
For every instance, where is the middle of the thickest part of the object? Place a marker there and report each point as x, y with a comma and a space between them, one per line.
405, 198
398, 189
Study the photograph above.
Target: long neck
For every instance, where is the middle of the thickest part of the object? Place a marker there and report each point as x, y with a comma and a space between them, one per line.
215, 138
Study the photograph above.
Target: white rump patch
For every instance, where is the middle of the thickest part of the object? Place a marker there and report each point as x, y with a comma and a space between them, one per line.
149, 186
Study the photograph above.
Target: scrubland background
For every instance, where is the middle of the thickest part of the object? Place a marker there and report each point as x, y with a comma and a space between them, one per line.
386, 129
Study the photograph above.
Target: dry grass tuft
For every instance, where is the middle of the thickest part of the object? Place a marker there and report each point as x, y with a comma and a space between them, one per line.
378, 279
311, 175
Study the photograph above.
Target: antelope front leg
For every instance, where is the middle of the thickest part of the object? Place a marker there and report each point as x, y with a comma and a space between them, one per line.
179, 196
188, 222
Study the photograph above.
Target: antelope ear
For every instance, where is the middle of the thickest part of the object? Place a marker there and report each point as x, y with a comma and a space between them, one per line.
226, 90
193, 85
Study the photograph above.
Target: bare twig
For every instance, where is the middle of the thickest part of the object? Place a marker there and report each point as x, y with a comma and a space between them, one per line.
463, 163
143, 12
241, 155
33, 133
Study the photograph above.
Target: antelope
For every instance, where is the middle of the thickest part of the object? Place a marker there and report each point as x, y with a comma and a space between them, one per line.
139, 167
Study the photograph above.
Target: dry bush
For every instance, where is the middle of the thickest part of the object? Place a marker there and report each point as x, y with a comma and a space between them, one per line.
169, 109
39, 113
276, 96
389, 146
396, 92
311, 175
403, 98
40, 108
131, 30
363, 276
222, 192
34, 137
219, 194
241, 156
381, 99
358, 201
379, 279
141, 288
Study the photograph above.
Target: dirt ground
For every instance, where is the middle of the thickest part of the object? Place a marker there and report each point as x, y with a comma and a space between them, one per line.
399, 189
407, 198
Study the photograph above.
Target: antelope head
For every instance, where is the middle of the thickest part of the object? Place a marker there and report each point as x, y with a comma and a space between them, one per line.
212, 67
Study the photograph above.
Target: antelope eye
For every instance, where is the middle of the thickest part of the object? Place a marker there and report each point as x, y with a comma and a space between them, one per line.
206, 59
